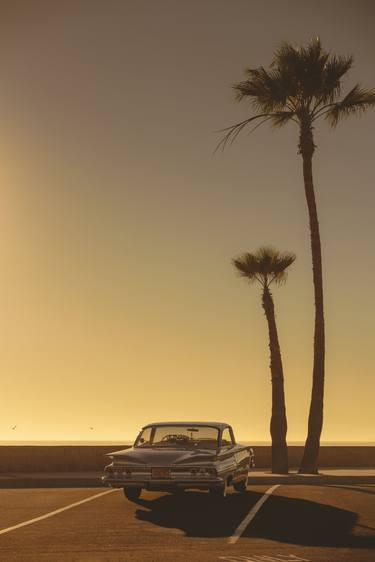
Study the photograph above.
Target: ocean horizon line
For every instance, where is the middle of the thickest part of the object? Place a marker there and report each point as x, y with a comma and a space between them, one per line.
78, 442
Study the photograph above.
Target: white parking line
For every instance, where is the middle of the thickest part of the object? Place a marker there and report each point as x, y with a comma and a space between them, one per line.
250, 516
56, 512
264, 558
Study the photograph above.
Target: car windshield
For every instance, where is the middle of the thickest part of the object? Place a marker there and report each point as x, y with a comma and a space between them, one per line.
179, 436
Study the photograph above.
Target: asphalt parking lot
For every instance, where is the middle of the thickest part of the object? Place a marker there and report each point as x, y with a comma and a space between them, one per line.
296, 523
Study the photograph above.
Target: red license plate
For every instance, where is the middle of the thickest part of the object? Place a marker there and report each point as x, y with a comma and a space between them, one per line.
160, 473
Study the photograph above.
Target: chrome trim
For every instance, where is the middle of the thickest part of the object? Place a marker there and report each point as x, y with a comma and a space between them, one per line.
162, 483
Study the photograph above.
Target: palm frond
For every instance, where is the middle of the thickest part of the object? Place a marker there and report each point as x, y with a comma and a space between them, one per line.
314, 72
313, 59
265, 89
266, 265
336, 67
265, 257
246, 265
280, 118
286, 58
357, 101
233, 131
286, 53
301, 68
302, 82
281, 264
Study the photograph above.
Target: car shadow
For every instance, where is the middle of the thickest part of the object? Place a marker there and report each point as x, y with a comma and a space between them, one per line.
281, 519
198, 514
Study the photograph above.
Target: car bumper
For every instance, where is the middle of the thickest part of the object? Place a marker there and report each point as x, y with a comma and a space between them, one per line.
163, 485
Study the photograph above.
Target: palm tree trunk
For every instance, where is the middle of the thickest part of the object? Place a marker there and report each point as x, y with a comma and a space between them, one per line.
278, 426
309, 462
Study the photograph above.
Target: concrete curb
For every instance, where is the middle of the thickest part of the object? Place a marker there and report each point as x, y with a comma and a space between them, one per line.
325, 476
51, 483
311, 479
52, 480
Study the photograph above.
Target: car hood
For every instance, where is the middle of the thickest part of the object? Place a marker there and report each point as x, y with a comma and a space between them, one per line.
163, 457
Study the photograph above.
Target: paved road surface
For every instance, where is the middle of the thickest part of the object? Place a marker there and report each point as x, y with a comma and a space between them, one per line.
295, 523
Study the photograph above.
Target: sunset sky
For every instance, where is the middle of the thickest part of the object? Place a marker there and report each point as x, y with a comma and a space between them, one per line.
118, 302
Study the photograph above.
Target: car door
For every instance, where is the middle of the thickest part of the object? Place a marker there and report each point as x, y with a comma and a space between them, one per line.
241, 458
229, 446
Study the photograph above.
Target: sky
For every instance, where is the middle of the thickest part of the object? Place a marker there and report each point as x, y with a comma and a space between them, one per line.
119, 304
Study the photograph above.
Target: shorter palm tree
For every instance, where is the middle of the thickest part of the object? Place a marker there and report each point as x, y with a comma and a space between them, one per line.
268, 266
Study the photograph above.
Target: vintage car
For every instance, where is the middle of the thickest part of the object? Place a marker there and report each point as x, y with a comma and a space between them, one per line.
177, 456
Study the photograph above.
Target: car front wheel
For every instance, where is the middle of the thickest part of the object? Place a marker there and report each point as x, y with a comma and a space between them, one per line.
219, 491
241, 486
132, 494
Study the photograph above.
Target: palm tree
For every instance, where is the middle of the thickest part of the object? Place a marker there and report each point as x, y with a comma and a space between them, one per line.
269, 266
302, 86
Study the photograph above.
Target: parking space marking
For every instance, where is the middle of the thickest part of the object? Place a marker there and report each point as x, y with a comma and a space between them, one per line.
56, 512
250, 516
264, 558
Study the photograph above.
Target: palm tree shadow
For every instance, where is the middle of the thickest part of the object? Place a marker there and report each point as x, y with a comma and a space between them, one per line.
308, 523
281, 519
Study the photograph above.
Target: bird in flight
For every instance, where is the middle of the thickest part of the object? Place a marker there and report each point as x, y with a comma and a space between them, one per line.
14, 427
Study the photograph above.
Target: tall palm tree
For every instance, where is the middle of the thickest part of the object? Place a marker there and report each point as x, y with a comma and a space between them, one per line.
302, 86
268, 266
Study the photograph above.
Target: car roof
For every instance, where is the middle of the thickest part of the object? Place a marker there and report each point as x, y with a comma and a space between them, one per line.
218, 425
